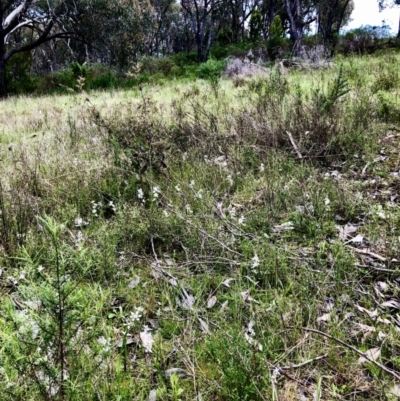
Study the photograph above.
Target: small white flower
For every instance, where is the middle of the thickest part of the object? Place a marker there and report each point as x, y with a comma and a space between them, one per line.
229, 179
327, 201
184, 156
177, 188
165, 213
199, 194
105, 343
156, 192
241, 220
21, 276
188, 209
255, 262
112, 206
40, 268
191, 184
140, 194
262, 167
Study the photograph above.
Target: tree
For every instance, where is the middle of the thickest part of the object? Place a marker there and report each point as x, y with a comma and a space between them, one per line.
206, 18
300, 15
390, 3
27, 24
332, 16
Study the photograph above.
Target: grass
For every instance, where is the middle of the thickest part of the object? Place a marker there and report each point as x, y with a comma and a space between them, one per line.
197, 240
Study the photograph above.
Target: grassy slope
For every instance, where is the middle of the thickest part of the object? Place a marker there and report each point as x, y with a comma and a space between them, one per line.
234, 250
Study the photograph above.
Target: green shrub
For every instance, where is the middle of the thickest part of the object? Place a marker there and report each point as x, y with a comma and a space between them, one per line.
210, 70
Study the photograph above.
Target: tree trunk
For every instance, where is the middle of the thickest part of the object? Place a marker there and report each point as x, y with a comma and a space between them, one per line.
3, 87
398, 30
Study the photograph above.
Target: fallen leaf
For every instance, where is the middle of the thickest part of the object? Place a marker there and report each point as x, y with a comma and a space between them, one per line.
283, 227
188, 300
392, 303
173, 282
358, 239
372, 314
395, 390
227, 281
211, 301
223, 306
181, 373
345, 231
153, 395
324, 318
147, 340
204, 326
373, 354
134, 282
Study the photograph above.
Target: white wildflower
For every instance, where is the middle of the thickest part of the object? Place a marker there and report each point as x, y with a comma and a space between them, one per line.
255, 262
105, 343
112, 206
40, 268
141, 195
178, 188
199, 194
241, 220
188, 209
165, 213
184, 156
229, 179
156, 192
191, 184
262, 167
22, 276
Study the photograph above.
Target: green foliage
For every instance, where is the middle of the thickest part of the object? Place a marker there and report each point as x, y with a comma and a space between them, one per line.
79, 70
255, 25
225, 36
336, 89
275, 37
18, 74
211, 70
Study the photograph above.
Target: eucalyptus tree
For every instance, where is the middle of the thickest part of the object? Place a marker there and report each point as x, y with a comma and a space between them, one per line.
332, 16
206, 18
390, 3
28, 24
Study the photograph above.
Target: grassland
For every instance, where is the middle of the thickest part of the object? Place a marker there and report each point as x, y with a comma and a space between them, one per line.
232, 240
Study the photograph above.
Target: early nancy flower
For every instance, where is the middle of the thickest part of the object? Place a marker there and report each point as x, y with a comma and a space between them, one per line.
255, 262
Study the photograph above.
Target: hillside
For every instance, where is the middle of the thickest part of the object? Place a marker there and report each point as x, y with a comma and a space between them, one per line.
233, 239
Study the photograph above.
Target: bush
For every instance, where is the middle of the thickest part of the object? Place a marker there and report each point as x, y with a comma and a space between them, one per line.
210, 70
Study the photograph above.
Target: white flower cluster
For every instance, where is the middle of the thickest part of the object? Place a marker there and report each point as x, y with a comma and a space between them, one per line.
96, 207
156, 192
255, 262
134, 317
140, 195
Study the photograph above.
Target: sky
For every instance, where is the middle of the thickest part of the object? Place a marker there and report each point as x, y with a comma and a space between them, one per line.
366, 12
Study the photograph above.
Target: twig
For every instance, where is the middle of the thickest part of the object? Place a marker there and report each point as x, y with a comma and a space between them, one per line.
368, 253
300, 365
365, 168
296, 149
357, 351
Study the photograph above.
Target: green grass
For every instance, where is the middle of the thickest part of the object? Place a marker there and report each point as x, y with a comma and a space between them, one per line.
172, 241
